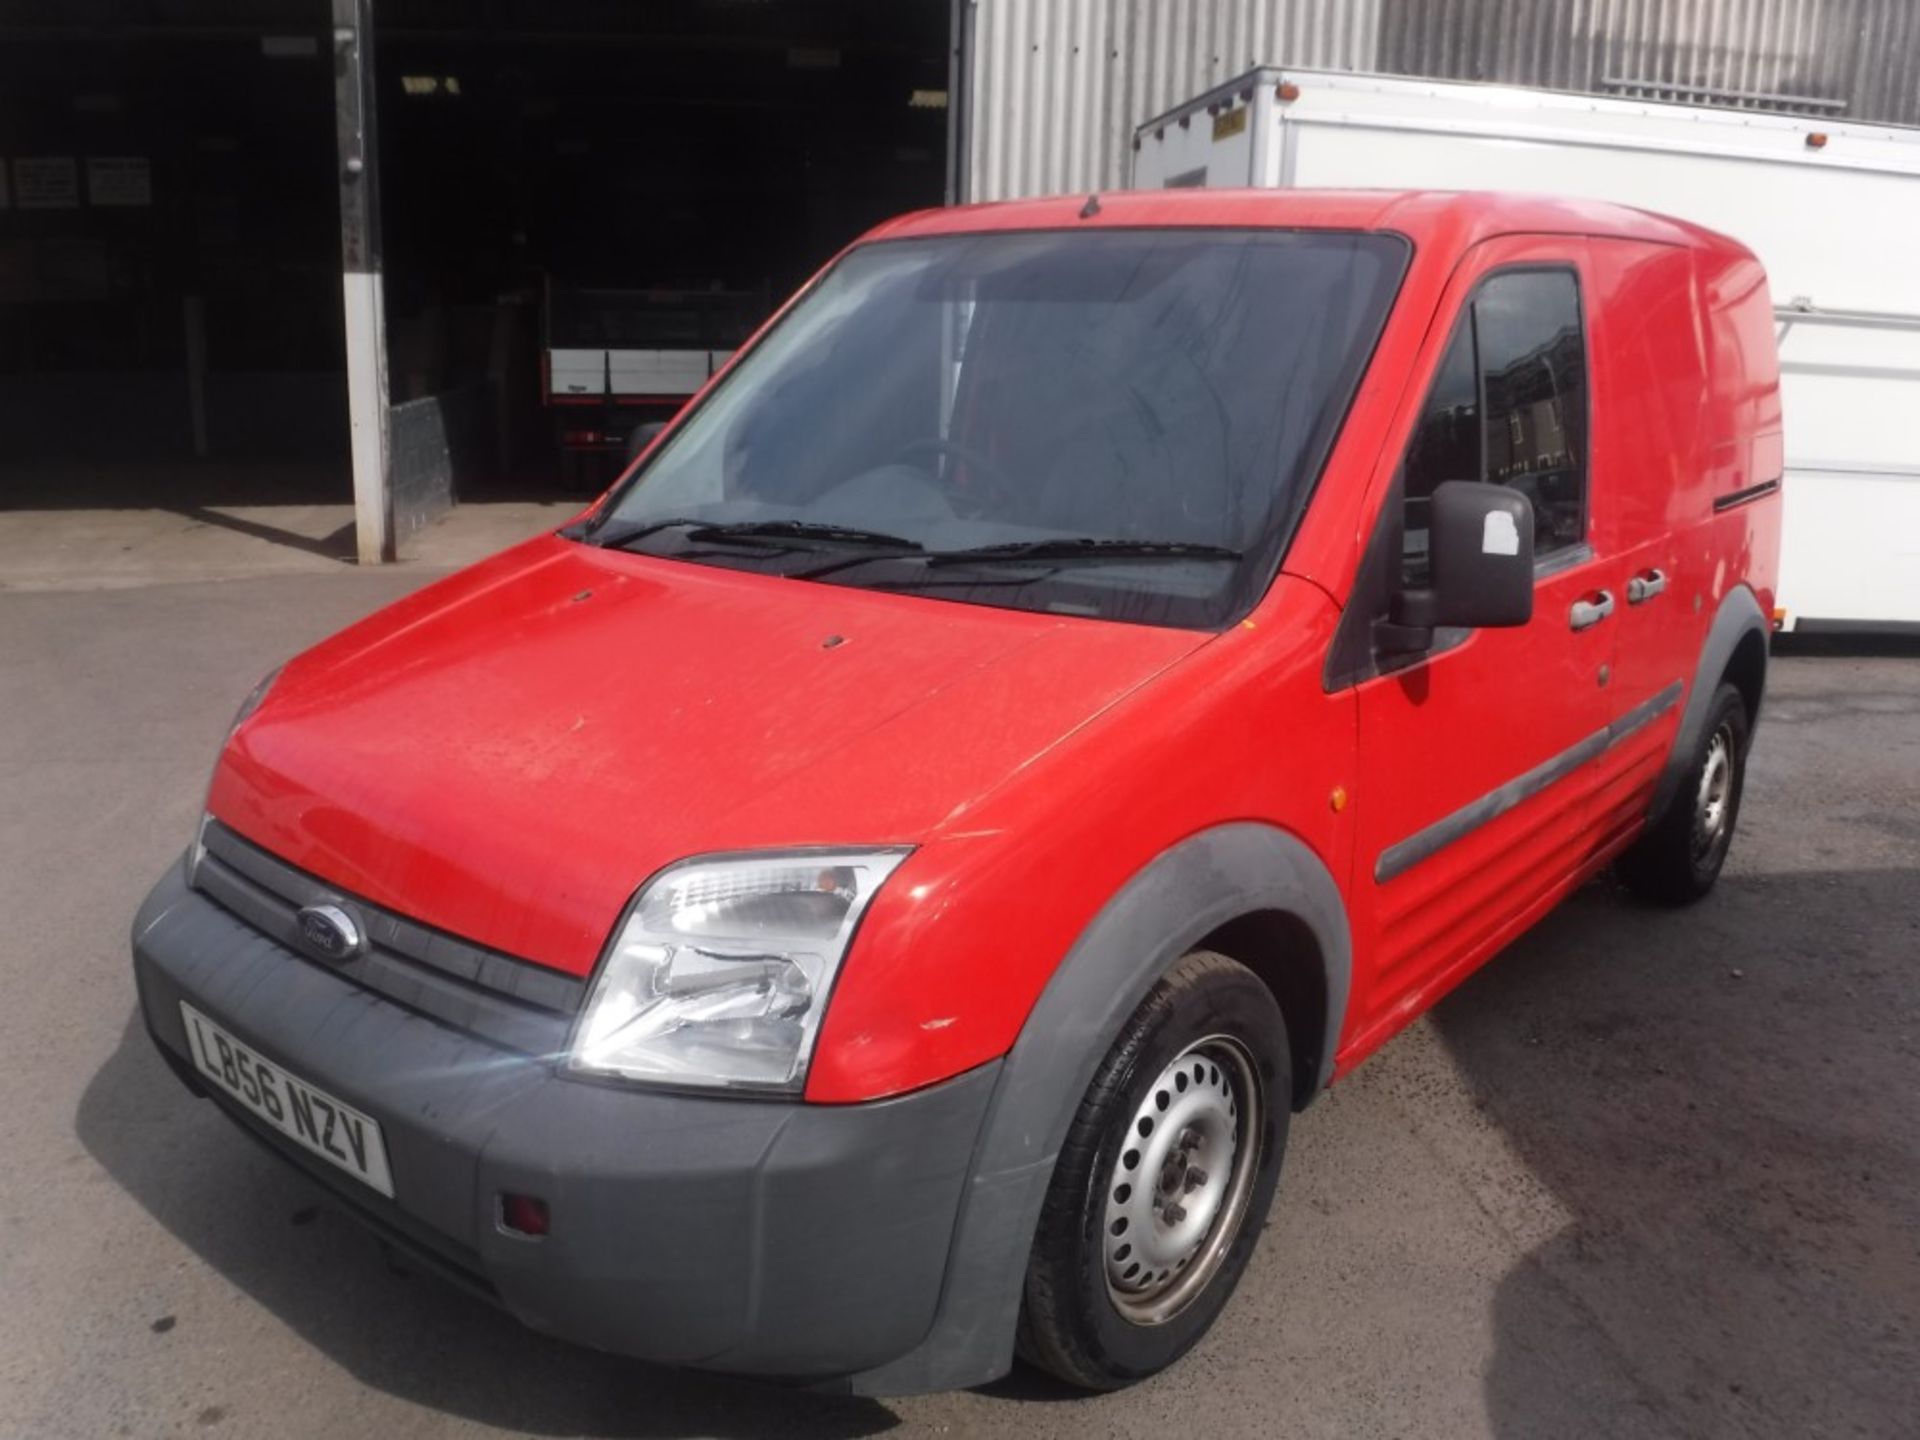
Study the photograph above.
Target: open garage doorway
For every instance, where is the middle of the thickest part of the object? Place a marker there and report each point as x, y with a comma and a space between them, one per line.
587, 205
578, 210
170, 320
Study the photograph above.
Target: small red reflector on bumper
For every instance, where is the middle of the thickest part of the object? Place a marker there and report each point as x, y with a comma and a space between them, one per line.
524, 1214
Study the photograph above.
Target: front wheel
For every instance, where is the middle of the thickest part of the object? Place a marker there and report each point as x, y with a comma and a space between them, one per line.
1164, 1182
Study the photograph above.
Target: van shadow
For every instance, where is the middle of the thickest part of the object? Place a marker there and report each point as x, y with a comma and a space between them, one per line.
391, 1325
1721, 1100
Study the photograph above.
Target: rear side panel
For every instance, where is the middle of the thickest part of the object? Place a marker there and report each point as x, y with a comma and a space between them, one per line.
1689, 456
1749, 470
1652, 497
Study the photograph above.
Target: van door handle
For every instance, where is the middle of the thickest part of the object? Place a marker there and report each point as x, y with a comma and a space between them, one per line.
1642, 588
1591, 612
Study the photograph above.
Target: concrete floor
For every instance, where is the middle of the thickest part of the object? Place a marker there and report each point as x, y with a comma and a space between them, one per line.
115, 547
1647, 1174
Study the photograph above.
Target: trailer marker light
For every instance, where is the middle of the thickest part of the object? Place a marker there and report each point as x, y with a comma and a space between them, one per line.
1287, 90
1816, 140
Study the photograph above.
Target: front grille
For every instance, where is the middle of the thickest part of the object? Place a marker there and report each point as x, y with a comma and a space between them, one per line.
480, 992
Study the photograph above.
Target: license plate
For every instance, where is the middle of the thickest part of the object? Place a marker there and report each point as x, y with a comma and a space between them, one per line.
310, 1117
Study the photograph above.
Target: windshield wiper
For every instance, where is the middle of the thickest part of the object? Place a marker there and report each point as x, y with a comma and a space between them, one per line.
803, 530
615, 537
1084, 547
1049, 552
610, 536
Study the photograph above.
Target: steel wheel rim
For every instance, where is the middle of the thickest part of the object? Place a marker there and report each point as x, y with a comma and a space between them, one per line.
1713, 800
1180, 1184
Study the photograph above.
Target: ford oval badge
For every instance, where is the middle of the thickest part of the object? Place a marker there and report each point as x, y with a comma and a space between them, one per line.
331, 933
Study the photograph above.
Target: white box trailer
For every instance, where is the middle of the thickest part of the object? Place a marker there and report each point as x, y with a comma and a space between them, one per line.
1831, 208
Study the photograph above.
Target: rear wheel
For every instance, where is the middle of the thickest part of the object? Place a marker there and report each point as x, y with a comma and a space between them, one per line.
1165, 1180
1681, 854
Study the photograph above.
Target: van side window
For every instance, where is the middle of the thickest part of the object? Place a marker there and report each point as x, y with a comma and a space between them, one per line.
1509, 405
1445, 444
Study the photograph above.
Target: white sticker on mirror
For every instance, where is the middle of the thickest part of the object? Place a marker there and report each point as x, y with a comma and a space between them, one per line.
1499, 535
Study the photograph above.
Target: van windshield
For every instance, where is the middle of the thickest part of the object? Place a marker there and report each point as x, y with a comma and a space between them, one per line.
1115, 423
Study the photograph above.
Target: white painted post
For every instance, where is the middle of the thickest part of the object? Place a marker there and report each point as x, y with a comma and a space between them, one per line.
361, 293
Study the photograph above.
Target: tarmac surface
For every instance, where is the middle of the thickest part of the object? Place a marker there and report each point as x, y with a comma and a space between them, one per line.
1647, 1174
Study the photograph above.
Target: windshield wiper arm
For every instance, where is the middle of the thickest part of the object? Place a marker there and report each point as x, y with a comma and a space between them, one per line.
749, 531
611, 536
802, 530
1084, 547
1049, 551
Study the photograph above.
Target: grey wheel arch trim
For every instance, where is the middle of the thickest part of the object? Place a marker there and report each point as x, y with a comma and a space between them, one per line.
1739, 616
1180, 897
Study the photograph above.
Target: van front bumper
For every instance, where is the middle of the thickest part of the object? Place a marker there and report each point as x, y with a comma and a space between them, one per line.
768, 1237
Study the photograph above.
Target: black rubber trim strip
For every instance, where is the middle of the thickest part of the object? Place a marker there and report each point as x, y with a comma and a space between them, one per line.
484, 993
503, 974
1398, 859
1746, 496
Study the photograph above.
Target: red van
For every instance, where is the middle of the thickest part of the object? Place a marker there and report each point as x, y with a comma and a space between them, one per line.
867, 898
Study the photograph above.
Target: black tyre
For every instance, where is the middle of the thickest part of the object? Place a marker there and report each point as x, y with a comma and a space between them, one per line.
1680, 856
1165, 1180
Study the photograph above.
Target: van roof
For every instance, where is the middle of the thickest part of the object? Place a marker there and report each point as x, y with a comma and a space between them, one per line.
1450, 219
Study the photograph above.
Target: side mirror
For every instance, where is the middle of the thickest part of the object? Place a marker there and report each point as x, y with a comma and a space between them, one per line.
1480, 560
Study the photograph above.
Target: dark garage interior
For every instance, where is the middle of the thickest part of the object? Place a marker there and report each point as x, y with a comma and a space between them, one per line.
171, 210
591, 176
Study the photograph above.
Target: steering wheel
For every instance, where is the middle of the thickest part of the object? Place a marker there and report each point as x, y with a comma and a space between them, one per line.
1005, 487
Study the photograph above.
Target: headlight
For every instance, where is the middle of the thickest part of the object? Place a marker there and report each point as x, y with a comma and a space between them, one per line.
197, 851
720, 972
254, 697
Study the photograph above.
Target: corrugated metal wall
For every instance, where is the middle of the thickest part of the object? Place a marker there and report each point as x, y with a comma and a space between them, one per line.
1058, 85
1854, 58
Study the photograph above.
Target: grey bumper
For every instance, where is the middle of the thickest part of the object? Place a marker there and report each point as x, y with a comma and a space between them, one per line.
767, 1237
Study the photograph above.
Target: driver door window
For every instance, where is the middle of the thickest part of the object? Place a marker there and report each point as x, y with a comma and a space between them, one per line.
1509, 406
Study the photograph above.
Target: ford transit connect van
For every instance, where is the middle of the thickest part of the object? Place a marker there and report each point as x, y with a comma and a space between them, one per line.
868, 897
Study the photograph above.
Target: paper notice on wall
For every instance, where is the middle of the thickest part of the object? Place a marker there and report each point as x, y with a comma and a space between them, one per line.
46, 182
119, 180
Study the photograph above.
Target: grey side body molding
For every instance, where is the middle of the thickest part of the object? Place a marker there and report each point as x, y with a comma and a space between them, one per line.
1739, 615
1184, 894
